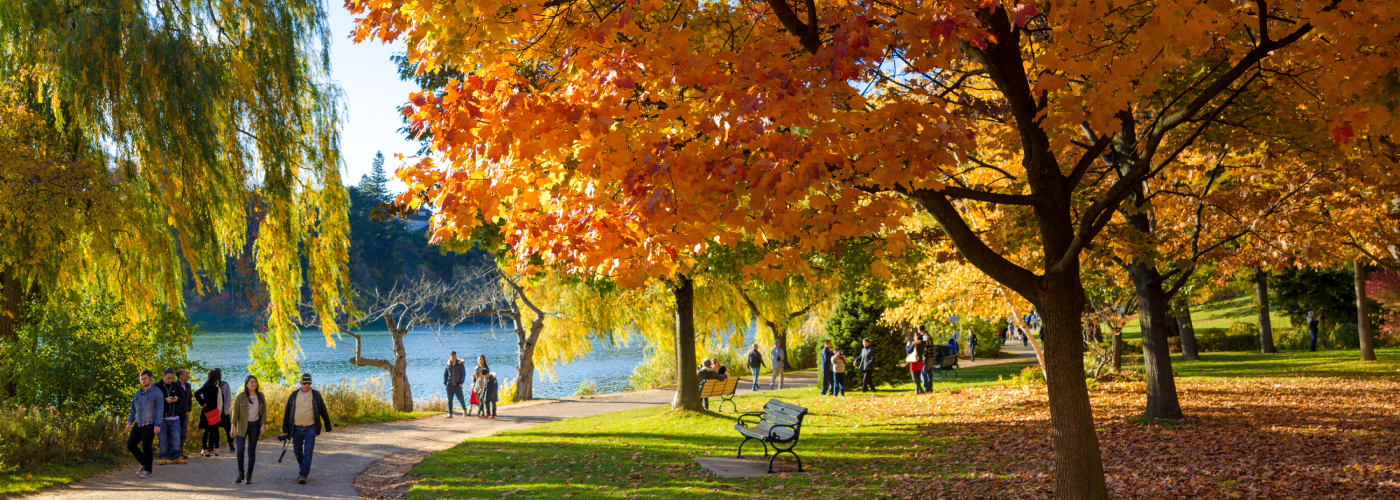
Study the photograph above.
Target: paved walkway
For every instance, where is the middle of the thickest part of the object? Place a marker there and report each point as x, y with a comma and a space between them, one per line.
343, 454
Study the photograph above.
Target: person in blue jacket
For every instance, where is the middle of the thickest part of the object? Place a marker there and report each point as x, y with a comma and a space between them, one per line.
826, 368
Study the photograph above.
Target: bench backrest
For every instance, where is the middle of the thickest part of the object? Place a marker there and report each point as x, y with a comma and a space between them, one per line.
780, 413
719, 387
948, 362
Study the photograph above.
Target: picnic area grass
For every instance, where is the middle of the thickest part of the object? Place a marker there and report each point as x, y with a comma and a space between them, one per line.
1220, 314
29, 480
1283, 425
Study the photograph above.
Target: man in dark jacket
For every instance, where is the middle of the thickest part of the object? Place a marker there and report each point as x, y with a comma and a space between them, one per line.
866, 360
755, 362
182, 377
143, 423
1313, 326
453, 377
826, 367
305, 412
172, 393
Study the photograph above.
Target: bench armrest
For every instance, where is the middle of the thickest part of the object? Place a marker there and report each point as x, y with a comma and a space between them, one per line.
750, 414
771, 436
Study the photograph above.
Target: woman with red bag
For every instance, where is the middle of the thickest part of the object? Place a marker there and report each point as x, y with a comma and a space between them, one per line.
212, 406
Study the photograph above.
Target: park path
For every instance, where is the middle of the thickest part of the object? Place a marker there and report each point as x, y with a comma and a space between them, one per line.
341, 455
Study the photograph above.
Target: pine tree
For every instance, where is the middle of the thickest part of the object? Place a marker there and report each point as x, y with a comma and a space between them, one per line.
375, 184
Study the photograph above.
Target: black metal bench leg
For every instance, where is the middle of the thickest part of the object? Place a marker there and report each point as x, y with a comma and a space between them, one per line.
731, 402
740, 454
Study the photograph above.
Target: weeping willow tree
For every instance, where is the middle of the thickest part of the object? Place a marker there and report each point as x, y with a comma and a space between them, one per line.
141, 138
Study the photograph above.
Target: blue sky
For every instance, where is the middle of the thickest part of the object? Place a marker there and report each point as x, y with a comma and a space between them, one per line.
373, 93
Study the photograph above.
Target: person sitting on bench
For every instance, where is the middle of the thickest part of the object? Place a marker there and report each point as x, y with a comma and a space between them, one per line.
710, 369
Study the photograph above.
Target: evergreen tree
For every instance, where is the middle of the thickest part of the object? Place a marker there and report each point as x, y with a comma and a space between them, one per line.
375, 184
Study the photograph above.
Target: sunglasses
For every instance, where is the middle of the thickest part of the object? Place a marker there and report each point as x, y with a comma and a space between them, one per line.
306, 383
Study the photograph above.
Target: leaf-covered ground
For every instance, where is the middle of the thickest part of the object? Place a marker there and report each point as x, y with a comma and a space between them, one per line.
1280, 426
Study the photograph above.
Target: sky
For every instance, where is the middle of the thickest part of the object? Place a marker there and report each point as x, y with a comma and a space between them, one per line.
372, 95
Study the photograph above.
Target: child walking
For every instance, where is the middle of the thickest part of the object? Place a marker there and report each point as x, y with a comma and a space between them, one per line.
490, 396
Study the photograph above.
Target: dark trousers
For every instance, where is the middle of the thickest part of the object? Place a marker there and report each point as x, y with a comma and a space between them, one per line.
456, 390
867, 380
142, 435
1313, 346
304, 444
249, 442
826, 381
210, 440
490, 408
918, 381
227, 426
184, 432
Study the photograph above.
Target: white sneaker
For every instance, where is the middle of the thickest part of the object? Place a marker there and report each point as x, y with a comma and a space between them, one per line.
143, 474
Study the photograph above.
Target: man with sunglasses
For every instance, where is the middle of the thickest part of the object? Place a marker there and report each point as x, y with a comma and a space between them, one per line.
305, 412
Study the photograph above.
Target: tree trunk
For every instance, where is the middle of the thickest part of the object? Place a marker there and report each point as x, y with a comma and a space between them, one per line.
1187, 329
687, 383
525, 362
12, 295
398, 376
1156, 356
1078, 465
1118, 350
1261, 297
1363, 324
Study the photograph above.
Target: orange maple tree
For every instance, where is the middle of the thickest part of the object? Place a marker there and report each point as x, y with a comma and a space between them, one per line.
624, 138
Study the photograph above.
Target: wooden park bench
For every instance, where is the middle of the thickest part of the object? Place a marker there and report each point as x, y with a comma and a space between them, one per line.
949, 363
778, 424
722, 389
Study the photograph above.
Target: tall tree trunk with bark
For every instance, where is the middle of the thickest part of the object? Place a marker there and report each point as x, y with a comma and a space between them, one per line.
687, 383
1078, 465
1187, 330
1118, 350
1261, 302
1363, 323
12, 295
525, 360
1156, 356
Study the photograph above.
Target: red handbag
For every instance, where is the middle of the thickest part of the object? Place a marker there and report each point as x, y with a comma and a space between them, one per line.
474, 401
212, 416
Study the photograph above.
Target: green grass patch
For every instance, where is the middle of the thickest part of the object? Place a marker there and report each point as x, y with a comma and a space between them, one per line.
650, 452
374, 418
1220, 314
30, 480
1329, 363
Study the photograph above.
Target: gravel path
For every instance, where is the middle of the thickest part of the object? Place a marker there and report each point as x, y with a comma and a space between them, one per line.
342, 455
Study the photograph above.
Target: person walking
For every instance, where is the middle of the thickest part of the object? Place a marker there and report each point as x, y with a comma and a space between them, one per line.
479, 383
931, 360
838, 373
777, 359
211, 402
972, 346
755, 362
914, 355
304, 414
169, 433
453, 377
224, 420
825, 364
183, 377
143, 422
866, 362
490, 395
1313, 326
249, 421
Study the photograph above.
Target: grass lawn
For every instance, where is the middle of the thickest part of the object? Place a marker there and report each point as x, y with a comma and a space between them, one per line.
29, 480
1221, 315
1259, 426
649, 452
32, 479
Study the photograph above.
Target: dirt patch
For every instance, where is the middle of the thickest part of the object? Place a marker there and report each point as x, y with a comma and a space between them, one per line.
388, 478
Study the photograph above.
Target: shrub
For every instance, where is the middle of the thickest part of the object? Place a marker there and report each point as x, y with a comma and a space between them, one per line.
1291, 339
1241, 336
804, 355
1340, 336
32, 436
988, 342
1028, 376
586, 388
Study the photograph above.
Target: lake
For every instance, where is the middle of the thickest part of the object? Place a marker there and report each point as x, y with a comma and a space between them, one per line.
608, 367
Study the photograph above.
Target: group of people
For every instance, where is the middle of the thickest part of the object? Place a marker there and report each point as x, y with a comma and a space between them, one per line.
925, 356
484, 389
833, 365
162, 409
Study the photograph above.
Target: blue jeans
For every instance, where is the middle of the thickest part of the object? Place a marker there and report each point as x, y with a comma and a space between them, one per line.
303, 444
753, 370
928, 377
169, 439
1313, 346
837, 389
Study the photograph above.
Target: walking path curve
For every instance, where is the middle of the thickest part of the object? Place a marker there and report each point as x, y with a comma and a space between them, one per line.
341, 455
